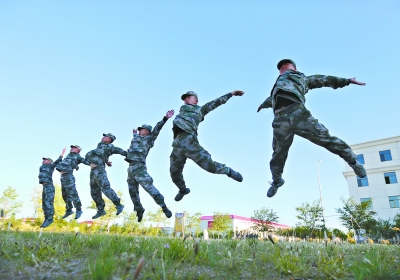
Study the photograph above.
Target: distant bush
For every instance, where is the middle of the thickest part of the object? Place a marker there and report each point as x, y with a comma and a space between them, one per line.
351, 240
369, 241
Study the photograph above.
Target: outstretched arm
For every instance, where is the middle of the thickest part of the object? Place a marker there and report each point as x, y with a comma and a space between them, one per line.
116, 150
160, 125
208, 107
318, 81
54, 164
266, 104
82, 160
354, 81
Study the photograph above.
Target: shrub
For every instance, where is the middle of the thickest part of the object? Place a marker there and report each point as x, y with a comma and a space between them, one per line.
351, 240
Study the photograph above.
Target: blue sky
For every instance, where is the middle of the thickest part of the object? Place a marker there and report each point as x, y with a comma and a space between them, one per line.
72, 70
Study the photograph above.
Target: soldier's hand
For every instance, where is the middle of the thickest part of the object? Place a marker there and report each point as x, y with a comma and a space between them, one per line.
169, 114
259, 108
354, 81
63, 152
134, 131
109, 163
237, 93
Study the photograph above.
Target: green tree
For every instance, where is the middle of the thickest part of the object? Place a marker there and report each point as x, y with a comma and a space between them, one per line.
356, 216
131, 225
9, 203
263, 219
158, 217
59, 206
310, 216
339, 233
396, 220
221, 223
109, 218
193, 221
382, 229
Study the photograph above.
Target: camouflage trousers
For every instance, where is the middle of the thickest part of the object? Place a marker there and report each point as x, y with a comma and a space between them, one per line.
99, 183
137, 174
69, 192
187, 146
48, 200
301, 122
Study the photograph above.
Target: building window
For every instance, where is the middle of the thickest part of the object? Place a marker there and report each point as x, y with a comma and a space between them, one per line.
394, 201
360, 159
385, 155
362, 182
390, 178
366, 199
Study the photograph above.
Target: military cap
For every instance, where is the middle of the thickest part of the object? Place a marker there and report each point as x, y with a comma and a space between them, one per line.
189, 93
283, 61
49, 159
76, 146
146, 126
110, 135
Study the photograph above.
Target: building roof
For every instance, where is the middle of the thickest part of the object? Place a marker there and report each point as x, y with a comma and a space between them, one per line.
236, 217
375, 142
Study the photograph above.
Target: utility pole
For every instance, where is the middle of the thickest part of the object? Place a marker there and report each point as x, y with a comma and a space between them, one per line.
320, 196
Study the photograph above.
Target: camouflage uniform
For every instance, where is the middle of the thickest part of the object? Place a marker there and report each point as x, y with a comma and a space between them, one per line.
299, 121
98, 175
46, 179
137, 171
186, 144
68, 188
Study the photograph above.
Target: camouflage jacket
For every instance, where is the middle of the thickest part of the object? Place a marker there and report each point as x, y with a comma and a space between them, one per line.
190, 116
299, 84
46, 171
71, 162
141, 145
100, 155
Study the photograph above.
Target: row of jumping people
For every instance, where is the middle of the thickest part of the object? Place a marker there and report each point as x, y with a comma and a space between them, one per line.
185, 145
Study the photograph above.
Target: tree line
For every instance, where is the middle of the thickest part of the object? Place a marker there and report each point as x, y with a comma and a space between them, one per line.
358, 218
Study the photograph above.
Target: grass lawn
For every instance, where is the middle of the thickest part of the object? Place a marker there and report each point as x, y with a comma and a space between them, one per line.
35, 255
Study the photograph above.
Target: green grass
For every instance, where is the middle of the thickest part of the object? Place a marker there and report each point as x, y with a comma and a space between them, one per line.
96, 256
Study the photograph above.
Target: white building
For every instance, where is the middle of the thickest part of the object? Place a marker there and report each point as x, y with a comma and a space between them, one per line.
381, 159
238, 224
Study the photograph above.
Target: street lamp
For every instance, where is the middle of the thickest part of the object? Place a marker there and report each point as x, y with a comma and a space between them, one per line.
320, 196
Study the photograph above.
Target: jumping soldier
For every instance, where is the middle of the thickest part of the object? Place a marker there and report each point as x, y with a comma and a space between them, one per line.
287, 99
99, 182
68, 188
186, 144
140, 146
46, 179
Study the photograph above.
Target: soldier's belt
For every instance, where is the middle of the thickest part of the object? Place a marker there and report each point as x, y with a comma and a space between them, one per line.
288, 109
132, 163
182, 133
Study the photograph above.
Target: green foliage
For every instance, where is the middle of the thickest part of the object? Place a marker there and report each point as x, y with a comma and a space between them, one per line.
263, 218
108, 219
158, 218
130, 224
193, 222
340, 234
396, 220
356, 216
221, 223
9, 203
382, 229
310, 216
59, 208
